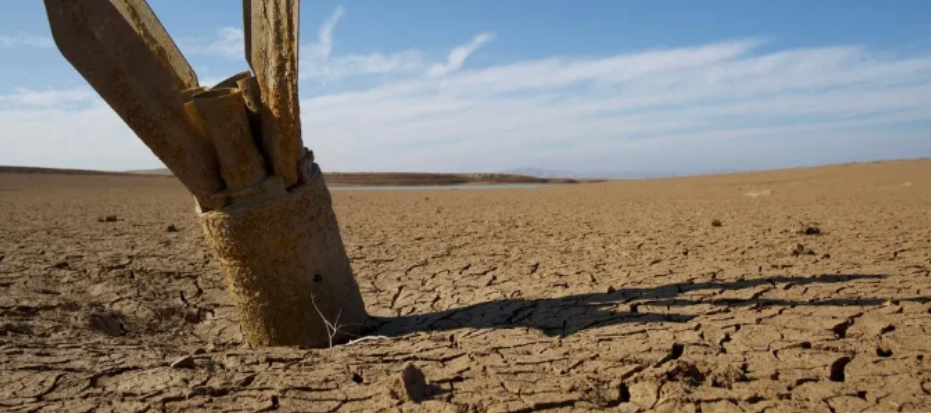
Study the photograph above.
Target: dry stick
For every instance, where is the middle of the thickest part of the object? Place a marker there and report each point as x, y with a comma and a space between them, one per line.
232, 80
144, 21
273, 54
331, 330
224, 115
108, 52
366, 338
334, 328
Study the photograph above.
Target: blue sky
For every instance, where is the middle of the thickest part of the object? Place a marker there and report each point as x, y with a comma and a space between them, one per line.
591, 87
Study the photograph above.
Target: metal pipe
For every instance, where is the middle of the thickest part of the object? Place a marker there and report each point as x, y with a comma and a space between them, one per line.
224, 118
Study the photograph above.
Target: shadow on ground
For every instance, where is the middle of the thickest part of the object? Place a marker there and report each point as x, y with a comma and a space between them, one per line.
568, 315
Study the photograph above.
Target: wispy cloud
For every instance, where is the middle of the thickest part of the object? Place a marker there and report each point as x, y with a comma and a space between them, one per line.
319, 62
727, 104
359, 64
227, 42
324, 45
23, 39
625, 111
459, 55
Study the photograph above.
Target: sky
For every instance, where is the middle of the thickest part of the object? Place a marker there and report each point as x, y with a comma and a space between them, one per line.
606, 88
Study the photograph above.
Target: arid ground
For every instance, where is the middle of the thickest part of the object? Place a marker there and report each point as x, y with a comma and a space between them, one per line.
811, 293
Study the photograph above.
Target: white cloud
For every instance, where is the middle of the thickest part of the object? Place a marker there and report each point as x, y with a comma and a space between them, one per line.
227, 42
324, 45
360, 64
319, 62
23, 39
622, 112
92, 137
23, 97
711, 106
317, 58
459, 54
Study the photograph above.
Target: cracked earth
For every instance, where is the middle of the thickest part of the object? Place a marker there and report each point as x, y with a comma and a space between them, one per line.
812, 294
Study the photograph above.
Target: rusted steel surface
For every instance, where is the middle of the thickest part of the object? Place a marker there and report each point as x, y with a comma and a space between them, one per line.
108, 52
143, 20
224, 118
247, 28
273, 55
188, 94
253, 99
232, 80
285, 265
190, 111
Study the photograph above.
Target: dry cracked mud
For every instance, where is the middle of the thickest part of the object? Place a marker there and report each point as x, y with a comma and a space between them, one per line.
617, 296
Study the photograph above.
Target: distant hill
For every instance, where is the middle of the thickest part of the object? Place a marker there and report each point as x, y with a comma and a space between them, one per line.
415, 178
59, 171
509, 176
515, 175
388, 178
335, 178
555, 173
159, 171
542, 173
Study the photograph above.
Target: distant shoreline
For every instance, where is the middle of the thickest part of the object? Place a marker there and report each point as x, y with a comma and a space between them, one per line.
431, 179
340, 178
437, 179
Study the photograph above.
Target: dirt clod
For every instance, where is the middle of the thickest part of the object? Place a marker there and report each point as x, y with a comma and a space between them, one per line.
411, 384
186, 362
797, 249
603, 394
108, 323
685, 372
809, 229
644, 393
726, 376
676, 351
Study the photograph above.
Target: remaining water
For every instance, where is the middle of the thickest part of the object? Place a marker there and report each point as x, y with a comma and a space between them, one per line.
437, 187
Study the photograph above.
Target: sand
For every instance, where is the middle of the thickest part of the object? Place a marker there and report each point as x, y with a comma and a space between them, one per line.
618, 296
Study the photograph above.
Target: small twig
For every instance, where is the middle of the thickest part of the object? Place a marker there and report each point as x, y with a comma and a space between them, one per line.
335, 327
351, 342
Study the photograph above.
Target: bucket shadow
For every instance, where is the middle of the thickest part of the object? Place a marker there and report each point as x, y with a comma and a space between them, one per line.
567, 315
